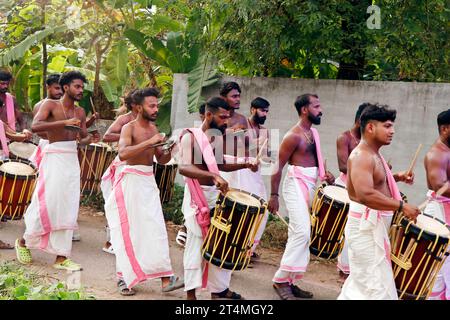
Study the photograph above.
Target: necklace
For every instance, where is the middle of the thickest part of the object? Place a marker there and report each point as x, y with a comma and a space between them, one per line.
354, 138
309, 138
62, 107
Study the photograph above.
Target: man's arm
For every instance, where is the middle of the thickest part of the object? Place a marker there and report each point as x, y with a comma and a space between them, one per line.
12, 135
19, 117
436, 169
127, 150
113, 132
40, 122
342, 153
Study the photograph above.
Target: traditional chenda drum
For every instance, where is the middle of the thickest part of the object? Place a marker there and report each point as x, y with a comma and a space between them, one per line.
18, 180
418, 251
165, 179
21, 150
94, 160
328, 218
233, 228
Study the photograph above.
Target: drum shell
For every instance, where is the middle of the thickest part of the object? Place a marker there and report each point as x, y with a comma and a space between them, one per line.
327, 243
16, 192
243, 241
408, 281
12, 155
94, 160
398, 215
165, 179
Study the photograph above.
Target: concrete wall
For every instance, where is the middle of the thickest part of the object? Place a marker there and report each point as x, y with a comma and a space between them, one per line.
417, 105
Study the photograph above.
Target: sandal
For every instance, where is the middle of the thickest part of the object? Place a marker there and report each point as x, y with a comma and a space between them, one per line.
181, 238
299, 293
68, 265
285, 292
227, 294
174, 284
23, 253
109, 249
124, 290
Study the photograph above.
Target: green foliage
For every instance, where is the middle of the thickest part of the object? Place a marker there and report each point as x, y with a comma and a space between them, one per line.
17, 283
172, 209
275, 234
95, 201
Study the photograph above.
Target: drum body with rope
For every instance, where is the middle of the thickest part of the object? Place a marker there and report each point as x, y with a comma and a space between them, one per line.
328, 218
165, 179
418, 251
18, 180
21, 150
237, 217
398, 215
94, 160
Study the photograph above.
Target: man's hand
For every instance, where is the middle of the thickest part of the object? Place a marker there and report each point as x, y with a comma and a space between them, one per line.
221, 184
410, 211
72, 122
273, 205
28, 134
253, 165
157, 138
403, 176
329, 177
95, 137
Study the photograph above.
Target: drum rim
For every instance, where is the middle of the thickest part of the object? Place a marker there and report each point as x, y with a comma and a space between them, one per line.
15, 155
173, 166
19, 176
91, 147
335, 201
252, 209
427, 235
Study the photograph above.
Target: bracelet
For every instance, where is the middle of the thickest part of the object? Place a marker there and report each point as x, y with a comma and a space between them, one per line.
400, 208
274, 194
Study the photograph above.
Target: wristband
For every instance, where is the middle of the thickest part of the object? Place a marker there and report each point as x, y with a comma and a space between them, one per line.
400, 208
274, 194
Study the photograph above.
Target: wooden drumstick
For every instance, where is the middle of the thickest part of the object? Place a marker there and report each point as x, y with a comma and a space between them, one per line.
92, 104
413, 162
439, 193
258, 157
284, 221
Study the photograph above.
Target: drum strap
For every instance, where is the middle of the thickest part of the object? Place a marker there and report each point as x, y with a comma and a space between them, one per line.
3, 139
391, 181
10, 112
301, 179
320, 163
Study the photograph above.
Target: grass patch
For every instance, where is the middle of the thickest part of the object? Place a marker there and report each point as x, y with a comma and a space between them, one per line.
95, 201
275, 233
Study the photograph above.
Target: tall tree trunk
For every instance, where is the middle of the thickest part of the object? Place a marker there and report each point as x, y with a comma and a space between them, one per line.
44, 53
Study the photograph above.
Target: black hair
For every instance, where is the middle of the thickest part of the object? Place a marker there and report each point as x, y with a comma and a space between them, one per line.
138, 96
443, 119
68, 77
52, 78
5, 75
201, 109
360, 110
303, 101
227, 87
377, 112
215, 103
129, 99
259, 102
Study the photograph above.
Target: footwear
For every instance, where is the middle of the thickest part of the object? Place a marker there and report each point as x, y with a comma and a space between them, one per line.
4, 245
68, 265
227, 294
299, 293
174, 284
23, 254
109, 250
76, 236
181, 238
124, 290
285, 292
255, 256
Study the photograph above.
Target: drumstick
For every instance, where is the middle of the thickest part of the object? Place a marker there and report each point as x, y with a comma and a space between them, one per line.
413, 162
439, 193
284, 221
258, 157
92, 104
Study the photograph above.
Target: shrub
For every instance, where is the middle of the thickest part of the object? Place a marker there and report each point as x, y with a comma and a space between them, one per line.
172, 209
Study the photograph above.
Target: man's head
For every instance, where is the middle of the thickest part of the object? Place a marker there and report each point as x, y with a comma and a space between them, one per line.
360, 110
217, 113
72, 83
443, 121
201, 111
231, 92
377, 123
146, 101
54, 90
308, 107
5, 78
259, 107
129, 100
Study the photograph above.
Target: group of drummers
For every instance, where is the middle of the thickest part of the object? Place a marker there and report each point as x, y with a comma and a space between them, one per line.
386, 248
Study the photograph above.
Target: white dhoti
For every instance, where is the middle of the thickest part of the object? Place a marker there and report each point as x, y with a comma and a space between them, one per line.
138, 231
218, 279
440, 209
247, 180
37, 155
298, 192
52, 214
342, 259
371, 276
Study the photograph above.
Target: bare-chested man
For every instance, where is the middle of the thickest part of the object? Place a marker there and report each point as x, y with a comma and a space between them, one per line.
300, 148
200, 165
374, 196
52, 214
135, 218
437, 167
9, 109
113, 171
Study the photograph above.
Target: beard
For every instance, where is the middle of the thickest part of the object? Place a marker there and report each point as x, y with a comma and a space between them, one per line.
75, 97
214, 125
258, 119
314, 119
148, 117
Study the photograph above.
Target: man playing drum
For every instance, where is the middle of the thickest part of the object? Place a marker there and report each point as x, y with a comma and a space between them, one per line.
300, 148
374, 196
437, 168
200, 166
52, 214
113, 135
134, 213
345, 143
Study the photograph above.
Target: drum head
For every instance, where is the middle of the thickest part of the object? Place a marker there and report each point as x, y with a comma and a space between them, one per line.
101, 145
432, 226
22, 149
17, 168
337, 193
243, 198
